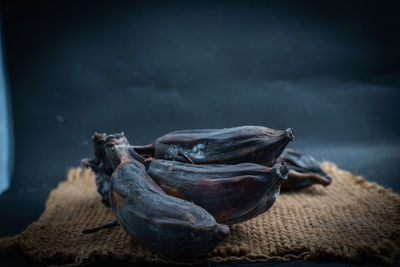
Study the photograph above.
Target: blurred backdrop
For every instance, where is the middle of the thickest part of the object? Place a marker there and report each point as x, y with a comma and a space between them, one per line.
328, 69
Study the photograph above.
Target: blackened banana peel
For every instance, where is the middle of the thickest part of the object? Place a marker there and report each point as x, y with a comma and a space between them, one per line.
253, 144
163, 223
304, 171
231, 193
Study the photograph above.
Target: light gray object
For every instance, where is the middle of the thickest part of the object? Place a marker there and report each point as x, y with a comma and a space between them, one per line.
6, 137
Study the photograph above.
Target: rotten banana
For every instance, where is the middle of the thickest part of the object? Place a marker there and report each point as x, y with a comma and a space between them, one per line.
253, 144
231, 193
304, 171
163, 223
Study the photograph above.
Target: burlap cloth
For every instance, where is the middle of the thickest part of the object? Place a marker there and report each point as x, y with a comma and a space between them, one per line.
352, 219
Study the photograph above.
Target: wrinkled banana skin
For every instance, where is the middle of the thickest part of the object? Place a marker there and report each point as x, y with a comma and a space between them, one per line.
231, 193
304, 171
254, 144
163, 223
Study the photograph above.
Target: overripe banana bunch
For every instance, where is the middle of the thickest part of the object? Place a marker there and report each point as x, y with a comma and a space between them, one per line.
188, 185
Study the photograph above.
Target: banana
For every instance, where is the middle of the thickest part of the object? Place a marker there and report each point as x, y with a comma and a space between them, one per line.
231, 193
163, 223
253, 144
304, 171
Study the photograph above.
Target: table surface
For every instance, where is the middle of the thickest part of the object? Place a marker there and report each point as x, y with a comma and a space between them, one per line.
149, 69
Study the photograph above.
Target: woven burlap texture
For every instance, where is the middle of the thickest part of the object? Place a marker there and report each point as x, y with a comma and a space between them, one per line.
352, 219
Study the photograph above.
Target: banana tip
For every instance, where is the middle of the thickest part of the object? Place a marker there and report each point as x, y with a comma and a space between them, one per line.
281, 170
222, 231
326, 180
290, 134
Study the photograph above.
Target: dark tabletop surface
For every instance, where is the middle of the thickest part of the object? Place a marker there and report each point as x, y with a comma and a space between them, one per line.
329, 70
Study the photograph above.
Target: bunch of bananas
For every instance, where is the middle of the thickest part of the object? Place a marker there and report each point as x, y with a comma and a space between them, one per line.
179, 194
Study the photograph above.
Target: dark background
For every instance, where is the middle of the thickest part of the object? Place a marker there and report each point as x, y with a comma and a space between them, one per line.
328, 69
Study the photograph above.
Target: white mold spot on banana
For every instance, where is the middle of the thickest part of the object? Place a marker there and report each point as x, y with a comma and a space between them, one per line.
198, 151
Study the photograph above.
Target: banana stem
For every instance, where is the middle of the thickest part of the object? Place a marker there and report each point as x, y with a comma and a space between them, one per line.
145, 150
99, 228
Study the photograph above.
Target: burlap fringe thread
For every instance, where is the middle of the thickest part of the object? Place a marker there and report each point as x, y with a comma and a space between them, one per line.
352, 220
